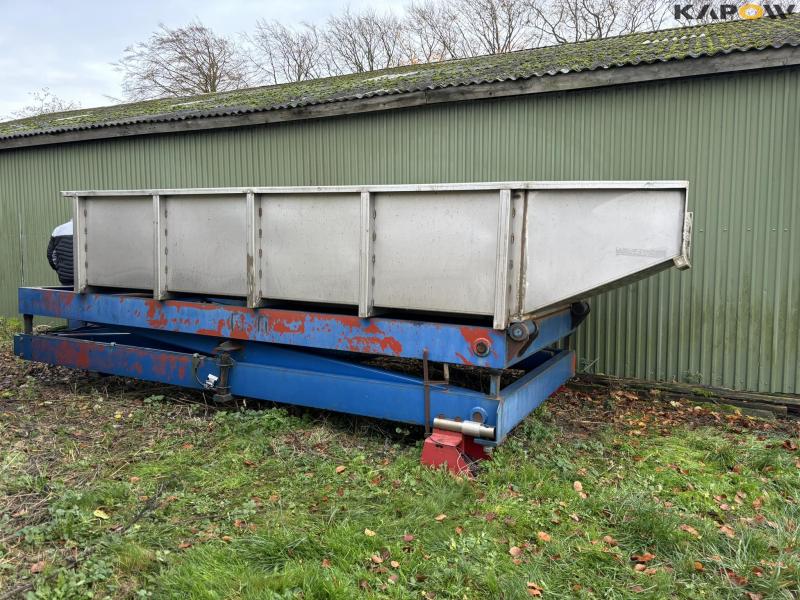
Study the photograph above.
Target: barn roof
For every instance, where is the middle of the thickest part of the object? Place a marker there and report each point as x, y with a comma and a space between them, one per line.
682, 45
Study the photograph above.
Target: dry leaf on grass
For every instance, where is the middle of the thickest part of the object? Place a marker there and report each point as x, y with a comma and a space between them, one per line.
690, 530
38, 567
340, 469
727, 530
533, 589
369, 533
515, 551
441, 517
543, 536
643, 558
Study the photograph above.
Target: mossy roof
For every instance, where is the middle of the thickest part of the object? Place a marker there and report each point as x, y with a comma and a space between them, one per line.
634, 49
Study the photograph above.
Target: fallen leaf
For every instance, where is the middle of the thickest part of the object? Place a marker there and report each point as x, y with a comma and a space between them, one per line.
184, 545
395, 564
408, 537
543, 536
340, 469
515, 551
188, 446
643, 558
533, 589
577, 486
610, 540
639, 567
394, 578
726, 529
326, 564
735, 577
690, 530
698, 566
754, 596
100, 514
376, 559
249, 462
226, 538
441, 517
134, 479
38, 567
369, 533
459, 530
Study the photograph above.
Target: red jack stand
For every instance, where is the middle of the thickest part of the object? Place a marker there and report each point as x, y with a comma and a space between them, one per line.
459, 452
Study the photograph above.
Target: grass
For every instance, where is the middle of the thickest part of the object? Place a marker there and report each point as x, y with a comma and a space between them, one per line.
121, 490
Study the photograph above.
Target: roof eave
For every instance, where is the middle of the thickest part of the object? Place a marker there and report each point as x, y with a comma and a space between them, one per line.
767, 58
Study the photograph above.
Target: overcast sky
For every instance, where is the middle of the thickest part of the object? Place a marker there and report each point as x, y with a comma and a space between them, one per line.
67, 45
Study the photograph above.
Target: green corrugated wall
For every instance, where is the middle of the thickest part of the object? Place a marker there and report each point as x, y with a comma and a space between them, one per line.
732, 320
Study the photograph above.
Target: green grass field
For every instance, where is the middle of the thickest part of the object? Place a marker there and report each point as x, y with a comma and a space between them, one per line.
122, 490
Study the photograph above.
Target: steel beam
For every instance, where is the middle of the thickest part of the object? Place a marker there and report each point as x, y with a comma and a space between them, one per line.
445, 342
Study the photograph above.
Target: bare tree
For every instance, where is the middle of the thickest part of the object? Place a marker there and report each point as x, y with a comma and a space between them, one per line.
366, 41
497, 26
181, 62
280, 53
44, 102
434, 32
460, 28
563, 21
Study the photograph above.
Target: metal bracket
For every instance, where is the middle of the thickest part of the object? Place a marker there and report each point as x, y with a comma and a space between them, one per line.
427, 381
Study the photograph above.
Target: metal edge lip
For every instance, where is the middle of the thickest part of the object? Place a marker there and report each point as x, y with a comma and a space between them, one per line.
434, 187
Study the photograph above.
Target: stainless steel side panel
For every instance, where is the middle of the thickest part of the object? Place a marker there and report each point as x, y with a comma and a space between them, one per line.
436, 251
206, 250
310, 247
119, 242
510, 250
577, 242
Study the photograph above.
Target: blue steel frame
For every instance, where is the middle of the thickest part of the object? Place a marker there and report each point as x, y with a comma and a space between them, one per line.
299, 357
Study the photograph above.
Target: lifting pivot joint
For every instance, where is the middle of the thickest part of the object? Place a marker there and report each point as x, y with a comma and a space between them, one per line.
523, 331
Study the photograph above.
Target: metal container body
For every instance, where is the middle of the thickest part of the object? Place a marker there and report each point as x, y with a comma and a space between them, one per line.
508, 250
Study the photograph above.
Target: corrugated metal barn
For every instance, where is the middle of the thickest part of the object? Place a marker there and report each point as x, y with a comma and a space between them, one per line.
715, 104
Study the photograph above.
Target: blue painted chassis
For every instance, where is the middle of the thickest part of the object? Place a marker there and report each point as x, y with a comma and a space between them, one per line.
299, 357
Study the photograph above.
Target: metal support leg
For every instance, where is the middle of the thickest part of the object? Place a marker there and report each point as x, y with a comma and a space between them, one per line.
225, 363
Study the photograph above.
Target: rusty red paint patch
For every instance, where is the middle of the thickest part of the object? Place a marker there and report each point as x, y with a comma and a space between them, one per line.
155, 315
345, 320
284, 321
218, 331
72, 354
464, 360
374, 345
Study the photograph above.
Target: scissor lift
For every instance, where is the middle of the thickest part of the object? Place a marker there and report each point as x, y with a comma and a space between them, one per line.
315, 359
